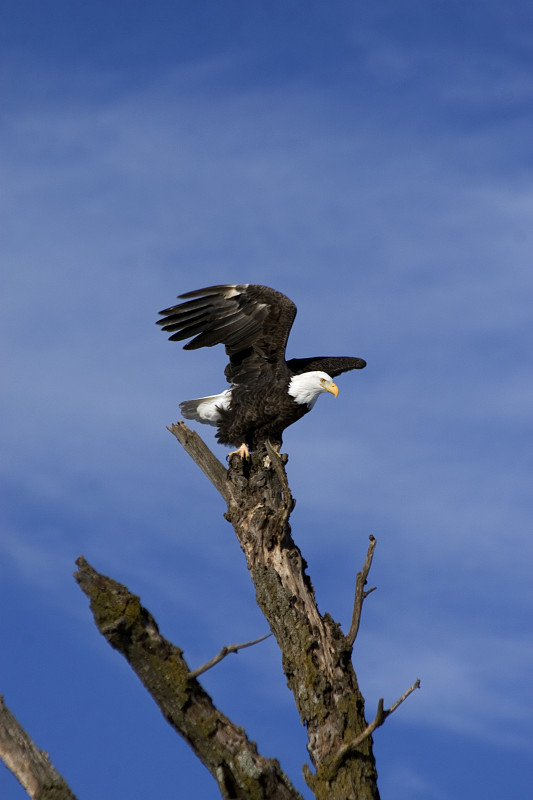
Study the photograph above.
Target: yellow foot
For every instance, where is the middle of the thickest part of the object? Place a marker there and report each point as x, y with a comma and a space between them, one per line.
243, 452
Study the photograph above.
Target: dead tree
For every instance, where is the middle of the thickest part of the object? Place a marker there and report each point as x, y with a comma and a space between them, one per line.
316, 654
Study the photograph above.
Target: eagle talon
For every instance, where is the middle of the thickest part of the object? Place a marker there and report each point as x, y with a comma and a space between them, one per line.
243, 452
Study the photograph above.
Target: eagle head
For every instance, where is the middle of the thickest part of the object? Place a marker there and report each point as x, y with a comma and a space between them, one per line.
306, 387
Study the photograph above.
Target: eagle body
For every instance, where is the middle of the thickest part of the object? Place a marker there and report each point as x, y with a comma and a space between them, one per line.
267, 393
251, 414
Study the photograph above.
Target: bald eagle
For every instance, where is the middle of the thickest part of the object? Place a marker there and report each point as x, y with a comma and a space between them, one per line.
267, 393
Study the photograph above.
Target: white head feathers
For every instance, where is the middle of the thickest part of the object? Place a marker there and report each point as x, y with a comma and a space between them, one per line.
306, 387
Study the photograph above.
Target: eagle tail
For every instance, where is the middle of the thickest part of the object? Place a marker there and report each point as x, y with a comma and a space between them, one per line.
207, 409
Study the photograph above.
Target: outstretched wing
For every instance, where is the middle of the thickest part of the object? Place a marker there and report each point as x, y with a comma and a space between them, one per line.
252, 322
333, 365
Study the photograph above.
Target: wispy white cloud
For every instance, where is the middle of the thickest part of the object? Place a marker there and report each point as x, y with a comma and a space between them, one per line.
405, 783
465, 686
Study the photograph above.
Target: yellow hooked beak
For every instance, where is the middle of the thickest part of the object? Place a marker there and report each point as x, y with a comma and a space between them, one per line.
333, 388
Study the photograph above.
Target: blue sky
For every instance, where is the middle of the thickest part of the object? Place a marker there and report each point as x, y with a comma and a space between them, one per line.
374, 162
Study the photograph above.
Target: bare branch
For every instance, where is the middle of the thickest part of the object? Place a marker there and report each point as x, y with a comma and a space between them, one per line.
379, 719
226, 650
360, 593
31, 766
223, 747
202, 455
405, 695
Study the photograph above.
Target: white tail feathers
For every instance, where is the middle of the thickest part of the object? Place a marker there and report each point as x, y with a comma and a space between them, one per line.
206, 409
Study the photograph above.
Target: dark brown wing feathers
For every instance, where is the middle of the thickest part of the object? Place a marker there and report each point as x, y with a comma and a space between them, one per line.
333, 365
253, 322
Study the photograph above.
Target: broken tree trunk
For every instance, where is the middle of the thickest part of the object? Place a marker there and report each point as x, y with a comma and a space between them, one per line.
223, 747
316, 655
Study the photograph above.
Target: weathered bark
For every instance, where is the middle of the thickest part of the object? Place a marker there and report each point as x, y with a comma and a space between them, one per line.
316, 656
29, 765
223, 747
